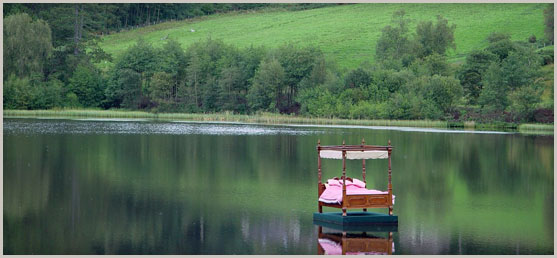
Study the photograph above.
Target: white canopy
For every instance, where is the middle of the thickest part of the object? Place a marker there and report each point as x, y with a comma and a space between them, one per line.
334, 154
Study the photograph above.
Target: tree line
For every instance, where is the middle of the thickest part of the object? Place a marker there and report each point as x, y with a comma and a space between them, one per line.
411, 78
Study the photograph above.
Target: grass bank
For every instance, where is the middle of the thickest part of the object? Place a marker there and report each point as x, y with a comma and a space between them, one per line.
271, 118
265, 118
536, 128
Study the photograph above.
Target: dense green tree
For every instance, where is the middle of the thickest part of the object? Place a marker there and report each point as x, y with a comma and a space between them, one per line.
130, 78
130, 86
394, 42
31, 92
500, 45
434, 64
524, 100
498, 36
27, 45
203, 63
62, 63
443, 91
124, 89
49, 95
162, 85
15, 8
404, 105
378, 93
87, 84
472, 71
237, 70
548, 20
356, 78
368, 110
71, 100
16, 92
513, 84
297, 63
434, 38
316, 96
494, 93
547, 56
94, 53
141, 58
321, 73
511, 65
195, 76
391, 79
211, 95
231, 89
61, 19
269, 82
173, 57
520, 68
173, 62
318, 101
344, 103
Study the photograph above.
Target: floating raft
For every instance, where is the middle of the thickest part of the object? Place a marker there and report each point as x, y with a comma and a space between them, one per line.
357, 221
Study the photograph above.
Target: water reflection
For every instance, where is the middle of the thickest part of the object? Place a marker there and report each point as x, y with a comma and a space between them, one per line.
330, 242
92, 187
100, 126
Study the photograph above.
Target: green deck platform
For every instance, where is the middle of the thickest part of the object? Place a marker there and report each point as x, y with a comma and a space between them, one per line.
356, 221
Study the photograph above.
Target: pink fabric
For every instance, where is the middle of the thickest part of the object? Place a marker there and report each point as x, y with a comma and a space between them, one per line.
356, 182
334, 182
366, 253
333, 248
330, 247
333, 193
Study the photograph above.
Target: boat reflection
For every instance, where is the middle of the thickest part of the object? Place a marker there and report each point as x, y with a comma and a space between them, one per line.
355, 242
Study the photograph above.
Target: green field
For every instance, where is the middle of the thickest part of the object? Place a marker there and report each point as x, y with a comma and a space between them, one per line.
345, 33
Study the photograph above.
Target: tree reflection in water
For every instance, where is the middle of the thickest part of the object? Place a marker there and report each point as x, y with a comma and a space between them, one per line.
153, 188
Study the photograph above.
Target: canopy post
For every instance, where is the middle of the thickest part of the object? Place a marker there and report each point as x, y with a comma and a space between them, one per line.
363, 162
364, 167
343, 179
319, 160
389, 149
319, 184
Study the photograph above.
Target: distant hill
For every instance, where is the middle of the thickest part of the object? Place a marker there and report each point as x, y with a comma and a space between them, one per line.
345, 33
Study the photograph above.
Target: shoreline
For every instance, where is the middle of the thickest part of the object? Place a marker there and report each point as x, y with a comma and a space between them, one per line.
274, 119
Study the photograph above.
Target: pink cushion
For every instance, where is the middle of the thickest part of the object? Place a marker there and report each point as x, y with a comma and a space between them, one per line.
356, 182
330, 247
333, 193
334, 182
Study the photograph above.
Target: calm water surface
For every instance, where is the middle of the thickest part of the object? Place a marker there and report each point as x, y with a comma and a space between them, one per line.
143, 187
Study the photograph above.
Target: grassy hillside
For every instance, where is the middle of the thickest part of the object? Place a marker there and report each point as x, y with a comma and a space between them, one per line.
346, 33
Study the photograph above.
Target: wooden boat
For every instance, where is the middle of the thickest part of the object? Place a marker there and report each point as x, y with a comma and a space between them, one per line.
355, 201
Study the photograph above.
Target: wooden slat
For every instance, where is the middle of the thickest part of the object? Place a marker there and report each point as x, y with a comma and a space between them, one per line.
354, 147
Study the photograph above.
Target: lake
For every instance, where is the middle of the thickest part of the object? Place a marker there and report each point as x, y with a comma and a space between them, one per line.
151, 187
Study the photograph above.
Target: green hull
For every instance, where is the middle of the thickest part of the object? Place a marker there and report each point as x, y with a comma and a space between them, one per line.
357, 221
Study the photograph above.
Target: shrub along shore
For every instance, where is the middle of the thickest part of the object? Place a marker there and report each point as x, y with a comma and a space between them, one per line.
506, 79
270, 118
